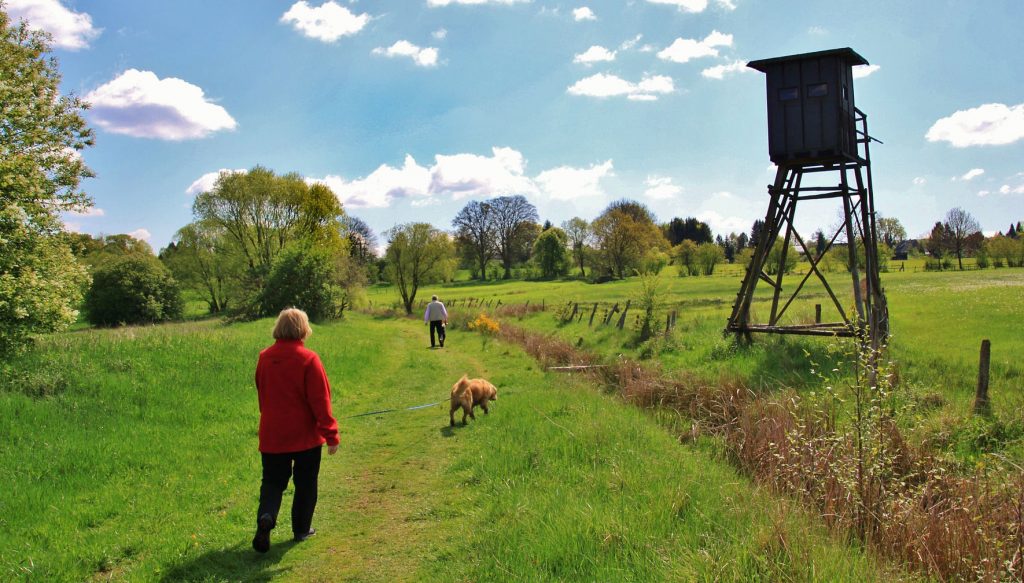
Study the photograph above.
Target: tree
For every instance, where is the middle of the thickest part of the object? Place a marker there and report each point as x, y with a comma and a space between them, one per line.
624, 233
137, 289
891, 231
960, 228
685, 255
417, 254
935, 245
508, 215
819, 242
41, 135
474, 229
309, 277
201, 256
522, 242
755, 232
742, 242
708, 256
550, 253
579, 234
690, 228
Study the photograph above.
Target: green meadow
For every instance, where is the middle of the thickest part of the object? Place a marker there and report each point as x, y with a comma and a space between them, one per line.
130, 454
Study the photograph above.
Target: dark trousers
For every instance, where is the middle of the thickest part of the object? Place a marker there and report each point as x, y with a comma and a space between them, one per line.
277, 469
436, 325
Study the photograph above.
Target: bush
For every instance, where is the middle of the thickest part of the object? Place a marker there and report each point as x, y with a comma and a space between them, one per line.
135, 290
309, 278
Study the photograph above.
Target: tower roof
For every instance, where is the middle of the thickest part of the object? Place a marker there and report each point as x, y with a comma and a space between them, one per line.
849, 54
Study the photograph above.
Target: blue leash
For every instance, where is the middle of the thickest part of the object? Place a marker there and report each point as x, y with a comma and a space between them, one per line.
382, 411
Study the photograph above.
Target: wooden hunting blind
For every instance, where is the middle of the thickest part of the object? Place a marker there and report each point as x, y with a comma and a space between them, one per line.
810, 105
815, 129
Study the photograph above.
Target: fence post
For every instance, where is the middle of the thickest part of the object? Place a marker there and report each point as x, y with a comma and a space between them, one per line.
817, 313
592, 313
622, 318
668, 324
981, 402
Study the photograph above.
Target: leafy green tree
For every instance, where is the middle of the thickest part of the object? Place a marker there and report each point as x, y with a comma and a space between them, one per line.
202, 257
135, 290
549, 251
962, 234
624, 232
690, 228
708, 256
578, 232
890, 231
474, 231
685, 256
309, 277
508, 216
417, 254
41, 133
771, 266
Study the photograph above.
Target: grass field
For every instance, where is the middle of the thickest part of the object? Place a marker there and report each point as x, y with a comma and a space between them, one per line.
130, 454
938, 322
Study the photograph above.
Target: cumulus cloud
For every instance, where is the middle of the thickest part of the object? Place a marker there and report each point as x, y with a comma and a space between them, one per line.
474, 2
327, 22
1007, 189
983, 193
861, 71
594, 54
423, 57
381, 186
602, 85
722, 71
140, 104
464, 175
439, 34
661, 188
817, 31
71, 30
992, 124
629, 44
583, 13
140, 234
683, 50
721, 223
919, 180
568, 183
206, 182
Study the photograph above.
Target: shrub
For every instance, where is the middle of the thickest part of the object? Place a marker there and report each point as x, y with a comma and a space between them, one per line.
309, 278
135, 290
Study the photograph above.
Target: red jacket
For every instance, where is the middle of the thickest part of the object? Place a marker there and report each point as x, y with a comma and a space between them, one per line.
295, 399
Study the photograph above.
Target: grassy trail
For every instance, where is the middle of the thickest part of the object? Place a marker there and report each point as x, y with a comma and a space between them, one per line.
132, 454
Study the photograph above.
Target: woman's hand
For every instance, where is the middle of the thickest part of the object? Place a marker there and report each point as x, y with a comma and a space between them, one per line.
332, 449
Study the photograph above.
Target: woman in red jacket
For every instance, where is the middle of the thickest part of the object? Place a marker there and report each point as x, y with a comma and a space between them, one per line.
295, 422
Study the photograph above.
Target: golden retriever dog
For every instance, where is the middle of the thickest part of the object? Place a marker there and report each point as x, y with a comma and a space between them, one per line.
468, 393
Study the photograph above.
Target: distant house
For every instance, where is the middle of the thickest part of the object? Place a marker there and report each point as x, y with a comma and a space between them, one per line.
903, 249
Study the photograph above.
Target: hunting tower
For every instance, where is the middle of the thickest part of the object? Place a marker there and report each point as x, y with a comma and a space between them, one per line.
816, 131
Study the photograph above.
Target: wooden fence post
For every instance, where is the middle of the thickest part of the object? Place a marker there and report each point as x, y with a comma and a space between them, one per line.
668, 324
981, 402
622, 318
592, 313
817, 313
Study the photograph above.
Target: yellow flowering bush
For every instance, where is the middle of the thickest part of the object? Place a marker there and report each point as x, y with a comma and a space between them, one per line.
486, 326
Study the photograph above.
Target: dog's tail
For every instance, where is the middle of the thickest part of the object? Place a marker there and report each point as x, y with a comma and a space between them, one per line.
461, 386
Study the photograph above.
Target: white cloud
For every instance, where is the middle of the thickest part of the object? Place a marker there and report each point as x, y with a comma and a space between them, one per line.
422, 202
71, 30
594, 54
684, 5
439, 34
683, 50
727, 4
817, 31
1007, 189
206, 182
661, 188
464, 175
583, 13
140, 104
629, 44
983, 193
89, 212
381, 186
601, 85
474, 2
721, 71
919, 180
423, 57
992, 124
327, 22
720, 223
140, 234
568, 183
972, 174
861, 71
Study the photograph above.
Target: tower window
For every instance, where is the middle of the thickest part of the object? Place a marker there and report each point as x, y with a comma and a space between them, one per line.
817, 90
789, 93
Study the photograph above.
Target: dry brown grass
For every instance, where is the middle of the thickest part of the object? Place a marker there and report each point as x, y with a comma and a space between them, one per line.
901, 502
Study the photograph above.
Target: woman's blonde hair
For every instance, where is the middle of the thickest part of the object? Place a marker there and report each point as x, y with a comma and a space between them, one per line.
292, 324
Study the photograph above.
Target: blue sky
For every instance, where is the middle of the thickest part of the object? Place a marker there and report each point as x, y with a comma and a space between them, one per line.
409, 109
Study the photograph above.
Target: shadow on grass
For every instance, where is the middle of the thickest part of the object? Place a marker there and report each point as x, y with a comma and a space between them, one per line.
236, 563
789, 361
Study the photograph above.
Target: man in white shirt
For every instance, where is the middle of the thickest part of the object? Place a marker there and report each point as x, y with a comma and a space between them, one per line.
437, 316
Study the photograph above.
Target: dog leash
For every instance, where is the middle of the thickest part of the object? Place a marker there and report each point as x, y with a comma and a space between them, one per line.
382, 411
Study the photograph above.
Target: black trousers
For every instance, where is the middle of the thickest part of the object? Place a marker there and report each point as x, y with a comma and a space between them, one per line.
277, 469
436, 325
